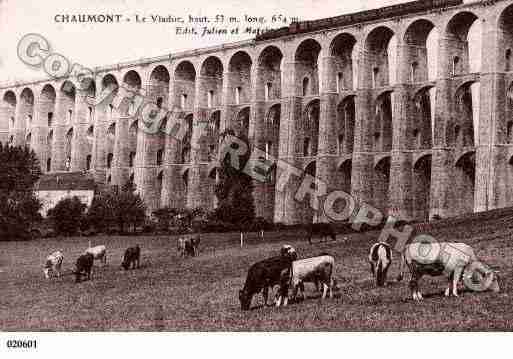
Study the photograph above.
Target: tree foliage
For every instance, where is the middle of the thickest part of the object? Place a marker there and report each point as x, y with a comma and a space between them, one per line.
67, 216
19, 208
235, 189
119, 208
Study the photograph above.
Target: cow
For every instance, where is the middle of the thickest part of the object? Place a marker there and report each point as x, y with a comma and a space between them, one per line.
84, 266
262, 275
131, 258
380, 259
323, 230
53, 264
98, 252
188, 245
309, 270
454, 260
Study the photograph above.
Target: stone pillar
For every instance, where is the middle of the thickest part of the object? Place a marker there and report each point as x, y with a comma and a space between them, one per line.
120, 168
287, 209
442, 167
491, 115
23, 110
6, 112
328, 140
80, 146
40, 129
363, 159
62, 106
148, 144
101, 125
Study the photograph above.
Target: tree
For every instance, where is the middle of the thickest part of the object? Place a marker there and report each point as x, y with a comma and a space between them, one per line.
165, 216
67, 216
117, 207
235, 189
19, 207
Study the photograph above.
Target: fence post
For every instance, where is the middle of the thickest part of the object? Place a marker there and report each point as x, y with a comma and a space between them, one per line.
241, 239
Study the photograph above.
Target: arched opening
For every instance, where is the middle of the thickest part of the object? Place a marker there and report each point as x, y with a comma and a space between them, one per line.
269, 73
67, 103
346, 115
380, 53
131, 159
505, 29
422, 188
464, 34
158, 187
68, 148
307, 67
464, 184
9, 108
185, 186
89, 159
160, 157
25, 110
421, 126
185, 144
28, 140
132, 83
110, 157
46, 109
383, 123
132, 141
185, 85
464, 117
90, 134
242, 123
48, 165
344, 176
109, 90
239, 88
380, 184
214, 130
311, 128
159, 91
211, 82
421, 39
342, 48
508, 131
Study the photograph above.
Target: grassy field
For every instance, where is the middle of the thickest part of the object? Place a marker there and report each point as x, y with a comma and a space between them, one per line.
200, 294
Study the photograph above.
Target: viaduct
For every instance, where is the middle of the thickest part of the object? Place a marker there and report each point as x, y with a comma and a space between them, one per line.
330, 96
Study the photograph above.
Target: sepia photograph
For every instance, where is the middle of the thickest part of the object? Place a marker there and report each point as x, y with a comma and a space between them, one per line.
310, 166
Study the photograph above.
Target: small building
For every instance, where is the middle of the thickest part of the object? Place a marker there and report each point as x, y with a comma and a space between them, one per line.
53, 187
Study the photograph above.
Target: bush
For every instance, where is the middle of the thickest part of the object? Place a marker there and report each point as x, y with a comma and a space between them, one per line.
67, 216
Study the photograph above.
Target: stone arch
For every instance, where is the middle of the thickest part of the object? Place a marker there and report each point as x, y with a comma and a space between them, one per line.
239, 86
343, 49
307, 67
211, 88
90, 134
66, 107
457, 31
272, 131
310, 129
422, 187
346, 115
132, 141
109, 87
421, 58
185, 186
46, 105
132, 84
381, 182
505, 29
464, 183
158, 88
25, 109
213, 133
463, 121
506, 133
185, 85
380, 53
269, 80
382, 135
422, 130
185, 145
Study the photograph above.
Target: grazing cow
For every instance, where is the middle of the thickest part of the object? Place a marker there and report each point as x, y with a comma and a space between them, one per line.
98, 252
261, 276
323, 230
309, 270
188, 245
84, 266
380, 259
451, 259
132, 257
53, 264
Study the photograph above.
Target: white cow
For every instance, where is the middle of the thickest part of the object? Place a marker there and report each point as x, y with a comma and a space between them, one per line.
310, 270
380, 259
53, 264
98, 252
455, 260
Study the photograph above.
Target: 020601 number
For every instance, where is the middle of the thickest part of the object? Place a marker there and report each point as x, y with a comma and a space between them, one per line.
21, 344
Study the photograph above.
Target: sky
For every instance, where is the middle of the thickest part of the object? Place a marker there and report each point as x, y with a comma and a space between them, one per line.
103, 44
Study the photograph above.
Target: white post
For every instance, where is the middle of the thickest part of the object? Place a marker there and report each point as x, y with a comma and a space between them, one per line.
241, 239
262, 234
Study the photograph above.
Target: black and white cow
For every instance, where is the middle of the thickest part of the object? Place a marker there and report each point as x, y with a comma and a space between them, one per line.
317, 270
53, 264
132, 257
454, 260
84, 266
380, 259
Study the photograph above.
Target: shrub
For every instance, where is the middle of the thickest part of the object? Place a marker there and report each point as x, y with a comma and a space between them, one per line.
67, 216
